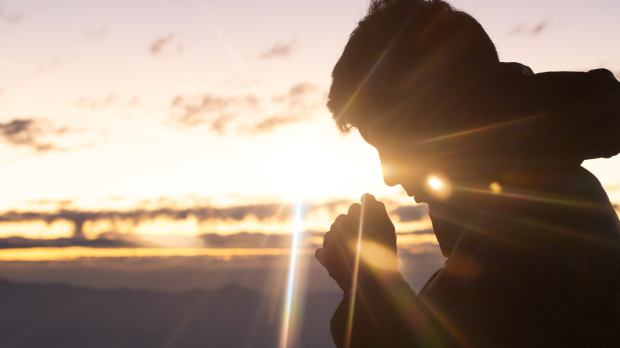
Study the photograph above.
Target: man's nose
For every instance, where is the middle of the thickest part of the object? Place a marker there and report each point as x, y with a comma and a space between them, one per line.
391, 173
391, 168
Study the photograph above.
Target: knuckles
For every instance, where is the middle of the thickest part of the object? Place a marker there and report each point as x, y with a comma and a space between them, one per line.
335, 254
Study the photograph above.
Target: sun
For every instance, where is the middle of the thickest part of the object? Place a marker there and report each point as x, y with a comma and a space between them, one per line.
301, 169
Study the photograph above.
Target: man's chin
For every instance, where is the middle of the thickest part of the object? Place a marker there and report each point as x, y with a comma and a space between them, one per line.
419, 199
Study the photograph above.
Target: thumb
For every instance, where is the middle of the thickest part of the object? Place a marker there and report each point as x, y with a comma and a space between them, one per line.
318, 254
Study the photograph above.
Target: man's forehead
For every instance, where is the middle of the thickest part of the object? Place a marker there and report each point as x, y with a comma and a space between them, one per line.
386, 131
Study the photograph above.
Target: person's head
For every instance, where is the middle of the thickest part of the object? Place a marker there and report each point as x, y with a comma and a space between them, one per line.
392, 79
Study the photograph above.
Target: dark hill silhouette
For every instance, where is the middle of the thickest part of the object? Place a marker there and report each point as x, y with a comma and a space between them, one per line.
65, 316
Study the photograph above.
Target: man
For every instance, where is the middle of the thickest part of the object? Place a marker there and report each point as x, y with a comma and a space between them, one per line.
532, 241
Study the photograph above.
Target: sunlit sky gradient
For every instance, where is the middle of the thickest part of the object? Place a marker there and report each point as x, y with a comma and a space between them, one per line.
139, 104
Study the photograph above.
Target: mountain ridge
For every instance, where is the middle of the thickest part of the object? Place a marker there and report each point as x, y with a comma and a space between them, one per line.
63, 315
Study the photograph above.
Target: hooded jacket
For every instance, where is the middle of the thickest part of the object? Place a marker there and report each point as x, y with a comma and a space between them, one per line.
537, 265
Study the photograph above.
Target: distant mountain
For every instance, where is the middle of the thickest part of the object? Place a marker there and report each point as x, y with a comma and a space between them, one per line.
64, 316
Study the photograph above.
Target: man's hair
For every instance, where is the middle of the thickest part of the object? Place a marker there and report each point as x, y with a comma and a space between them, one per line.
399, 48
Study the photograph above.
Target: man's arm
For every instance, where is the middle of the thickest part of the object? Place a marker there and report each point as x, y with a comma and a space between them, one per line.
380, 316
376, 308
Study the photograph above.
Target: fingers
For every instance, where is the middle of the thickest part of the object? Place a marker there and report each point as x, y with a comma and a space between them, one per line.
355, 210
368, 198
343, 227
318, 254
372, 205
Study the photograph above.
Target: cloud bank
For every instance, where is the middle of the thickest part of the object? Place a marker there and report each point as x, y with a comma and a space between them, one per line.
261, 212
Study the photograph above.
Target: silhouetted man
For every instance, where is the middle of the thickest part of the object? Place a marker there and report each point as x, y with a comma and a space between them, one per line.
532, 241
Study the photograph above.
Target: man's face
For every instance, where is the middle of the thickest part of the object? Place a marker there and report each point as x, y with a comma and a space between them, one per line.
404, 162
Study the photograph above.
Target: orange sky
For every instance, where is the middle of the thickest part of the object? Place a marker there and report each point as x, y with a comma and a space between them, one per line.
190, 103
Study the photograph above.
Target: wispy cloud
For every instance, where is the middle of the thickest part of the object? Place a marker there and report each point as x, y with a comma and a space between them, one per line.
296, 106
410, 213
215, 111
11, 17
34, 134
55, 63
165, 43
534, 30
27, 133
107, 102
269, 124
251, 115
279, 50
95, 34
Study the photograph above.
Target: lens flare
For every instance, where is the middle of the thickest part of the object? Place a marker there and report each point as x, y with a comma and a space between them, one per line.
438, 186
378, 256
290, 286
495, 188
435, 183
347, 342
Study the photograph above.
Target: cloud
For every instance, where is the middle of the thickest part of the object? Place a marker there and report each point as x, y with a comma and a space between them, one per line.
235, 213
26, 133
55, 64
34, 134
297, 105
255, 240
418, 233
162, 44
11, 17
297, 93
125, 240
207, 240
20, 243
251, 115
410, 213
279, 50
612, 187
95, 104
268, 124
215, 111
533, 30
107, 102
95, 34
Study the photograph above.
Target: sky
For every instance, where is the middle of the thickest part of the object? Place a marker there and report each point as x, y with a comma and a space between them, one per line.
157, 122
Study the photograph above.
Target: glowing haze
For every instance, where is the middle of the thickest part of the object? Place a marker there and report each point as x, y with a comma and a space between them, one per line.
113, 107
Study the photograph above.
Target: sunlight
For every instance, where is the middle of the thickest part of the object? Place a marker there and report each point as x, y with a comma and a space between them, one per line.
300, 168
290, 286
72, 253
377, 256
439, 186
37, 229
358, 248
434, 183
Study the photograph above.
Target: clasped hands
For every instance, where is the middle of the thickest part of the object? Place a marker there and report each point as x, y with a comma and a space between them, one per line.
366, 227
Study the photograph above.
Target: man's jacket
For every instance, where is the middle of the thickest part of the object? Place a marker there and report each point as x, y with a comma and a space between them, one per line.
537, 265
